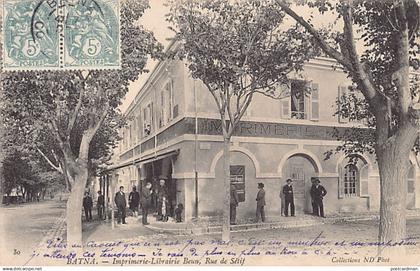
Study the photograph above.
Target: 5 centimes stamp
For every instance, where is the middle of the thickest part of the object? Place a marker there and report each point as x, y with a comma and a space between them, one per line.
30, 36
61, 34
92, 34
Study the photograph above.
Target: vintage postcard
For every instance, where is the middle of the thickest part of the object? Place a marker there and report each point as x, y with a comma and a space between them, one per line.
210, 133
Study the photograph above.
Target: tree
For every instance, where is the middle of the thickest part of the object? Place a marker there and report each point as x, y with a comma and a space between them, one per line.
237, 49
68, 108
389, 32
29, 177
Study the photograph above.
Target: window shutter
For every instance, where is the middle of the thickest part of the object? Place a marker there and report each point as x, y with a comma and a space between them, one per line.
152, 118
315, 102
171, 100
340, 182
285, 107
175, 111
139, 125
363, 180
145, 122
342, 91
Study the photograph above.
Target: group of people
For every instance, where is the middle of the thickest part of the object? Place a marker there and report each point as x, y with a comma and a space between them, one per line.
144, 201
318, 192
88, 205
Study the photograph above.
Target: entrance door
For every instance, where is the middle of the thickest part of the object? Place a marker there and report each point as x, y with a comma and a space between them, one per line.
297, 174
300, 170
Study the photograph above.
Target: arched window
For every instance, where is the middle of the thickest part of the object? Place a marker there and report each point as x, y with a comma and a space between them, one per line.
351, 180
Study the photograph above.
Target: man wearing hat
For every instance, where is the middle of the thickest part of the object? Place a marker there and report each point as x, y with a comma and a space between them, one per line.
145, 202
318, 193
288, 198
234, 201
162, 194
260, 203
121, 203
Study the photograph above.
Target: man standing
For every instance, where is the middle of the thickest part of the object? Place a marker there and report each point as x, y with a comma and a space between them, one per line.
288, 198
312, 198
133, 201
100, 205
87, 205
145, 202
281, 195
162, 194
234, 201
318, 193
121, 203
260, 203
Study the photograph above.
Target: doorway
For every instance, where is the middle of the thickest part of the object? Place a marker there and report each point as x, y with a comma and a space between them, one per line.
300, 169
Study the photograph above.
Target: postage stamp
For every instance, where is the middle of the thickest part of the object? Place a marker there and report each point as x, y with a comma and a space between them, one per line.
61, 34
92, 34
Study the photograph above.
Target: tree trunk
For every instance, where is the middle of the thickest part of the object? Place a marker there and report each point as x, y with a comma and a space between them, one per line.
394, 165
74, 206
226, 189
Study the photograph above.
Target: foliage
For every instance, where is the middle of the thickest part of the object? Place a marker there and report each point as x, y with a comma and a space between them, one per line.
22, 173
378, 26
237, 49
53, 111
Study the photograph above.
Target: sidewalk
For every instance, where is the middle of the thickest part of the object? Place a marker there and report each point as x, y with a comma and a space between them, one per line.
204, 226
103, 231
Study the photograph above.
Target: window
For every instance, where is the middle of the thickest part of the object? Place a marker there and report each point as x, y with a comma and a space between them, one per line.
297, 103
166, 104
302, 101
237, 177
351, 178
130, 135
148, 120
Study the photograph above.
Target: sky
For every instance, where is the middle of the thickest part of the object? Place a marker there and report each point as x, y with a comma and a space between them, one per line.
153, 20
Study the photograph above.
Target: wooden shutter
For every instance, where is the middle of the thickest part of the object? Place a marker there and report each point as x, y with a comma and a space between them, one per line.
151, 118
171, 99
285, 107
139, 125
342, 91
315, 102
161, 120
340, 182
363, 181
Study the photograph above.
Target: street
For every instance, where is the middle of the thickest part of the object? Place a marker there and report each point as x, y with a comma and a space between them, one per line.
24, 226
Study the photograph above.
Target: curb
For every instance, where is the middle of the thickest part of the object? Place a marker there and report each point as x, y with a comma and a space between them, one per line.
202, 230
237, 228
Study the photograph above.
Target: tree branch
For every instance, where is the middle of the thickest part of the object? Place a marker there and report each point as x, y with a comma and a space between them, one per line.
401, 76
57, 168
75, 113
321, 41
56, 131
358, 68
219, 107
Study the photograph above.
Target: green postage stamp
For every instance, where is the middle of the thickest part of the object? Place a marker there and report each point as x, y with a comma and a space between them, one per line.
61, 34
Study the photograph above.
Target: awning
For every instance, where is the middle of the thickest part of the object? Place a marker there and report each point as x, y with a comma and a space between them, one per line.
144, 160
157, 157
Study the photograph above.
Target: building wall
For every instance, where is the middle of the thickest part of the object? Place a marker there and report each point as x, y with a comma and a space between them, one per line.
266, 142
265, 167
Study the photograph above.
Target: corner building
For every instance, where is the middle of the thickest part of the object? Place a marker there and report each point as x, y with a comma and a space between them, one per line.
174, 133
